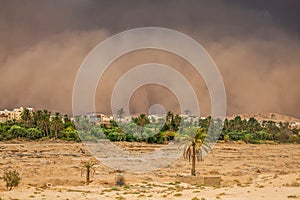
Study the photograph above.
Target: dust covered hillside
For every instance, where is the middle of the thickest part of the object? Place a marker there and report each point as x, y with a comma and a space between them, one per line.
268, 116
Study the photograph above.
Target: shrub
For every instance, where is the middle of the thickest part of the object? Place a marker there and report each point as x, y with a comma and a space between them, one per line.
120, 180
160, 138
115, 136
170, 135
177, 195
5, 136
11, 178
84, 136
17, 131
262, 135
70, 134
284, 137
97, 132
226, 138
294, 139
34, 133
235, 135
129, 138
248, 137
151, 139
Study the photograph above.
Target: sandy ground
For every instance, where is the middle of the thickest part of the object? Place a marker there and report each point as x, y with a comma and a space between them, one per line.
52, 170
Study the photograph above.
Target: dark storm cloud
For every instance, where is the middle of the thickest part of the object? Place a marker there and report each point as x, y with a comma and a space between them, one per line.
254, 43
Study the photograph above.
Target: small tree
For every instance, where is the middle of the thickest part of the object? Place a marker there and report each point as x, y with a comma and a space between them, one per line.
11, 178
192, 151
88, 170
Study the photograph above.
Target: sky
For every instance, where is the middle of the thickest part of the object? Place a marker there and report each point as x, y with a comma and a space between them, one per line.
255, 44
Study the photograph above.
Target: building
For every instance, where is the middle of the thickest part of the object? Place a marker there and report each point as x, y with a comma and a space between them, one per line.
3, 117
99, 118
15, 114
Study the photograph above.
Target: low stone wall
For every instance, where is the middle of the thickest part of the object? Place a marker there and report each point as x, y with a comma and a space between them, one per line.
200, 180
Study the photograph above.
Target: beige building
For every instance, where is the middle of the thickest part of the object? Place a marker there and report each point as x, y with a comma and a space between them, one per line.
3, 117
15, 114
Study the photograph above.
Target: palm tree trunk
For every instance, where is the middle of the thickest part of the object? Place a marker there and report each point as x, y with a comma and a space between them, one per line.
46, 130
87, 176
193, 172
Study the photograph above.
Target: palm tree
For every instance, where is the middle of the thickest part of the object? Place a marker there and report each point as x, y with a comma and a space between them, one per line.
194, 136
26, 117
120, 113
141, 120
176, 122
56, 124
43, 121
88, 170
169, 117
36, 117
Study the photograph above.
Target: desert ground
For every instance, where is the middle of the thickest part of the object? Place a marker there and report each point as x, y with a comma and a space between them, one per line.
52, 170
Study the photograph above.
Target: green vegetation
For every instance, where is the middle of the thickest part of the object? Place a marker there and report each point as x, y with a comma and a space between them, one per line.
11, 178
42, 125
120, 180
87, 170
38, 125
139, 129
193, 151
251, 131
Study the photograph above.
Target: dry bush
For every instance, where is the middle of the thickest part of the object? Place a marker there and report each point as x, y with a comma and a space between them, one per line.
11, 178
120, 180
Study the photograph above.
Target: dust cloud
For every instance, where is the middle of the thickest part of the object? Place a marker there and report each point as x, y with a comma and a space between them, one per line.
256, 50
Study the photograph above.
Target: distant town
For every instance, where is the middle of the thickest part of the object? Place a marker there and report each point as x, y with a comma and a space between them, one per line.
100, 118
14, 114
